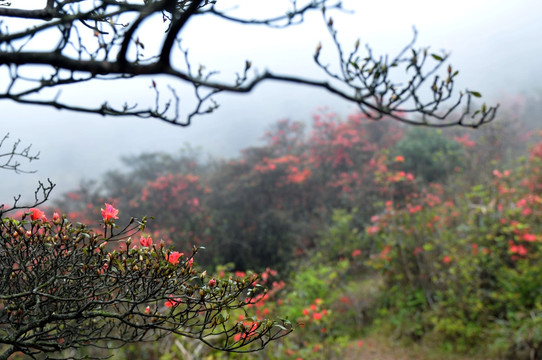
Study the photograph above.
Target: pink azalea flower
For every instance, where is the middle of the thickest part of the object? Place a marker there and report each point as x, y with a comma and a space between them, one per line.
212, 282
145, 241
109, 213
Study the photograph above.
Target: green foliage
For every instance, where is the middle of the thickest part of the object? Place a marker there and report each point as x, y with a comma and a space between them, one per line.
429, 154
353, 218
462, 271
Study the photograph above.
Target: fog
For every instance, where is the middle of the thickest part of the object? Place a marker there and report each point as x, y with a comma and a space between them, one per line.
495, 45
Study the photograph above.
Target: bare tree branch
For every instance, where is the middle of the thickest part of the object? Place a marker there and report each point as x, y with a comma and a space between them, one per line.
97, 40
10, 158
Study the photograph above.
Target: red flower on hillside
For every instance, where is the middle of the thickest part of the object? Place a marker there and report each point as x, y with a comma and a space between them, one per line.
517, 249
464, 140
529, 237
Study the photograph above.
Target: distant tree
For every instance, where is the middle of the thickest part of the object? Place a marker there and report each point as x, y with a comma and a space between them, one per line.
430, 155
89, 41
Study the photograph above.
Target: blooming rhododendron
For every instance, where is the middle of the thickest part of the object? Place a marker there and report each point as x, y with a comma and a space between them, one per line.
145, 241
37, 214
371, 230
250, 330
356, 252
173, 302
109, 213
173, 258
517, 249
529, 237
464, 140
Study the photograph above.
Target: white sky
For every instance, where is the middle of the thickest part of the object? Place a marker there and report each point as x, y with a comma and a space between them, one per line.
494, 43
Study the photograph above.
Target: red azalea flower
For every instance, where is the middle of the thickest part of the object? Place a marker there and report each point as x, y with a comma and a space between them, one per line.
173, 258
529, 237
37, 214
173, 302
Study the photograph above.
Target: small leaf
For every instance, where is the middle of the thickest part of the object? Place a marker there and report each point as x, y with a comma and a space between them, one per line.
475, 94
437, 57
428, 247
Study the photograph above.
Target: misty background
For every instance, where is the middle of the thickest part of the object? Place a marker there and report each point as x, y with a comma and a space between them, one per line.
494, 44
